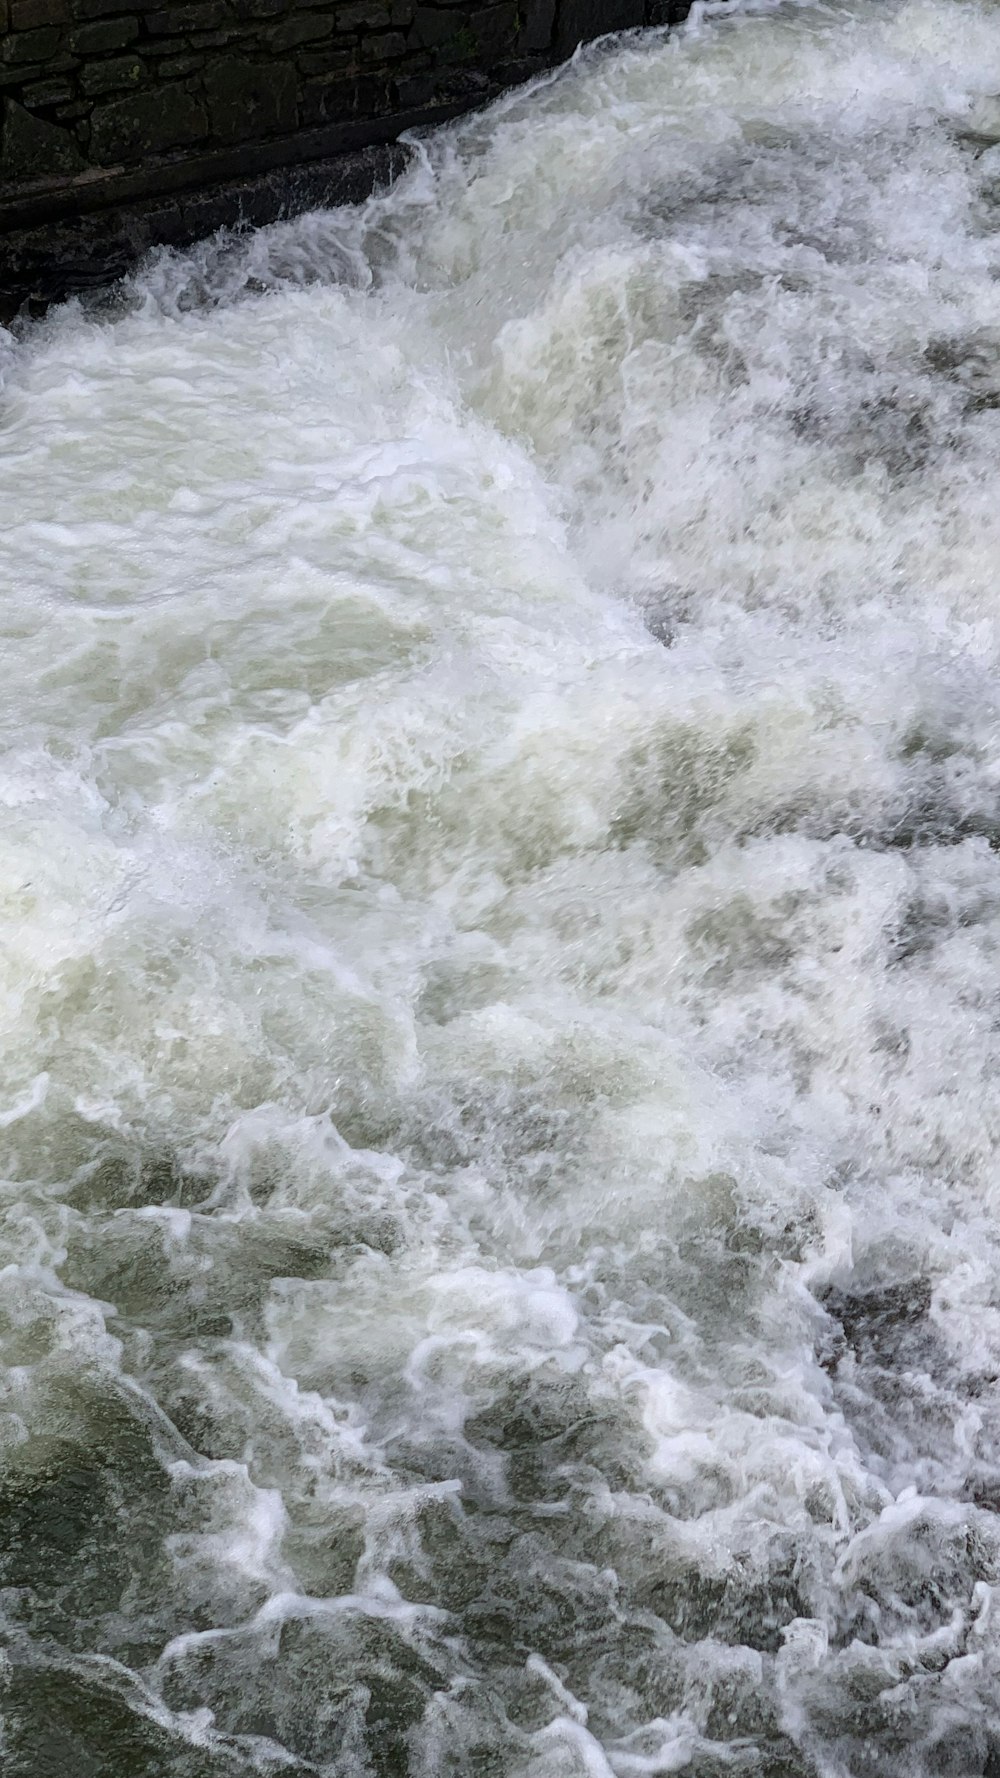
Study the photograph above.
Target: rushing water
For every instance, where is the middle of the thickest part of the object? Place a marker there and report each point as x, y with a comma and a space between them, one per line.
501, 949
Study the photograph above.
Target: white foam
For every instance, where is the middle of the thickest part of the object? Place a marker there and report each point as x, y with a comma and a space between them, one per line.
501, 913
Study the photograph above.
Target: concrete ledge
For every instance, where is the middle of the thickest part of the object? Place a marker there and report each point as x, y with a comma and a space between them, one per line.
49, 261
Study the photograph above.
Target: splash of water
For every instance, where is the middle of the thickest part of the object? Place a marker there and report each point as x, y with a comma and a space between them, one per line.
501, 912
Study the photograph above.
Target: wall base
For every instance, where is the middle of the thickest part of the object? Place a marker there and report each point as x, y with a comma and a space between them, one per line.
67, 227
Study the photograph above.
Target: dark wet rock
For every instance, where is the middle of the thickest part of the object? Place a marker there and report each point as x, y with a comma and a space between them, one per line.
147, 124
35, 149
880, 1325
90, 1723
261, 95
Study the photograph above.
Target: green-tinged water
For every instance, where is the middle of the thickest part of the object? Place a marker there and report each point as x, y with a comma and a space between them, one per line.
500, 949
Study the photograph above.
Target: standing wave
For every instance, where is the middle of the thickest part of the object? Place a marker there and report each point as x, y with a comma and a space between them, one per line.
500, 1015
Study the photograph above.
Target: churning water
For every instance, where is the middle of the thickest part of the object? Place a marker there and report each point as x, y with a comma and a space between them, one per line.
501, 949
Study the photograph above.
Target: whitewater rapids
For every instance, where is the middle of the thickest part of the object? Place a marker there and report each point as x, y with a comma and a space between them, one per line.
500, 949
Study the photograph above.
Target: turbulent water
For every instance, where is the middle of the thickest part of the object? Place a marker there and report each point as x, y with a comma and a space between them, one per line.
499, 1265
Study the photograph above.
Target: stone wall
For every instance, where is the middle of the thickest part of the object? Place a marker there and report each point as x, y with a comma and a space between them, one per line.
130, 121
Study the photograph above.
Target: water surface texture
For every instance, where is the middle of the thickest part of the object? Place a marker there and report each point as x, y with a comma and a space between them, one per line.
500, 1016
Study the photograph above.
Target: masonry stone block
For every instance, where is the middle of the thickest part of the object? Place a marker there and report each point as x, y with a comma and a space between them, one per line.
27, 15
363, 15
328, 59
250, 99
580, 20
327, 98
103, 35
207, 40
116, 74
32, 15
538, 19
291, 33
432, 27
388, 46
177, 21
178, 67
130, 129
30, 46
32, 148
99, 9
43, 93
494, 28
414, 91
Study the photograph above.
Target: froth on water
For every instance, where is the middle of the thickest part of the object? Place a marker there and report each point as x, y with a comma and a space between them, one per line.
501, 904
